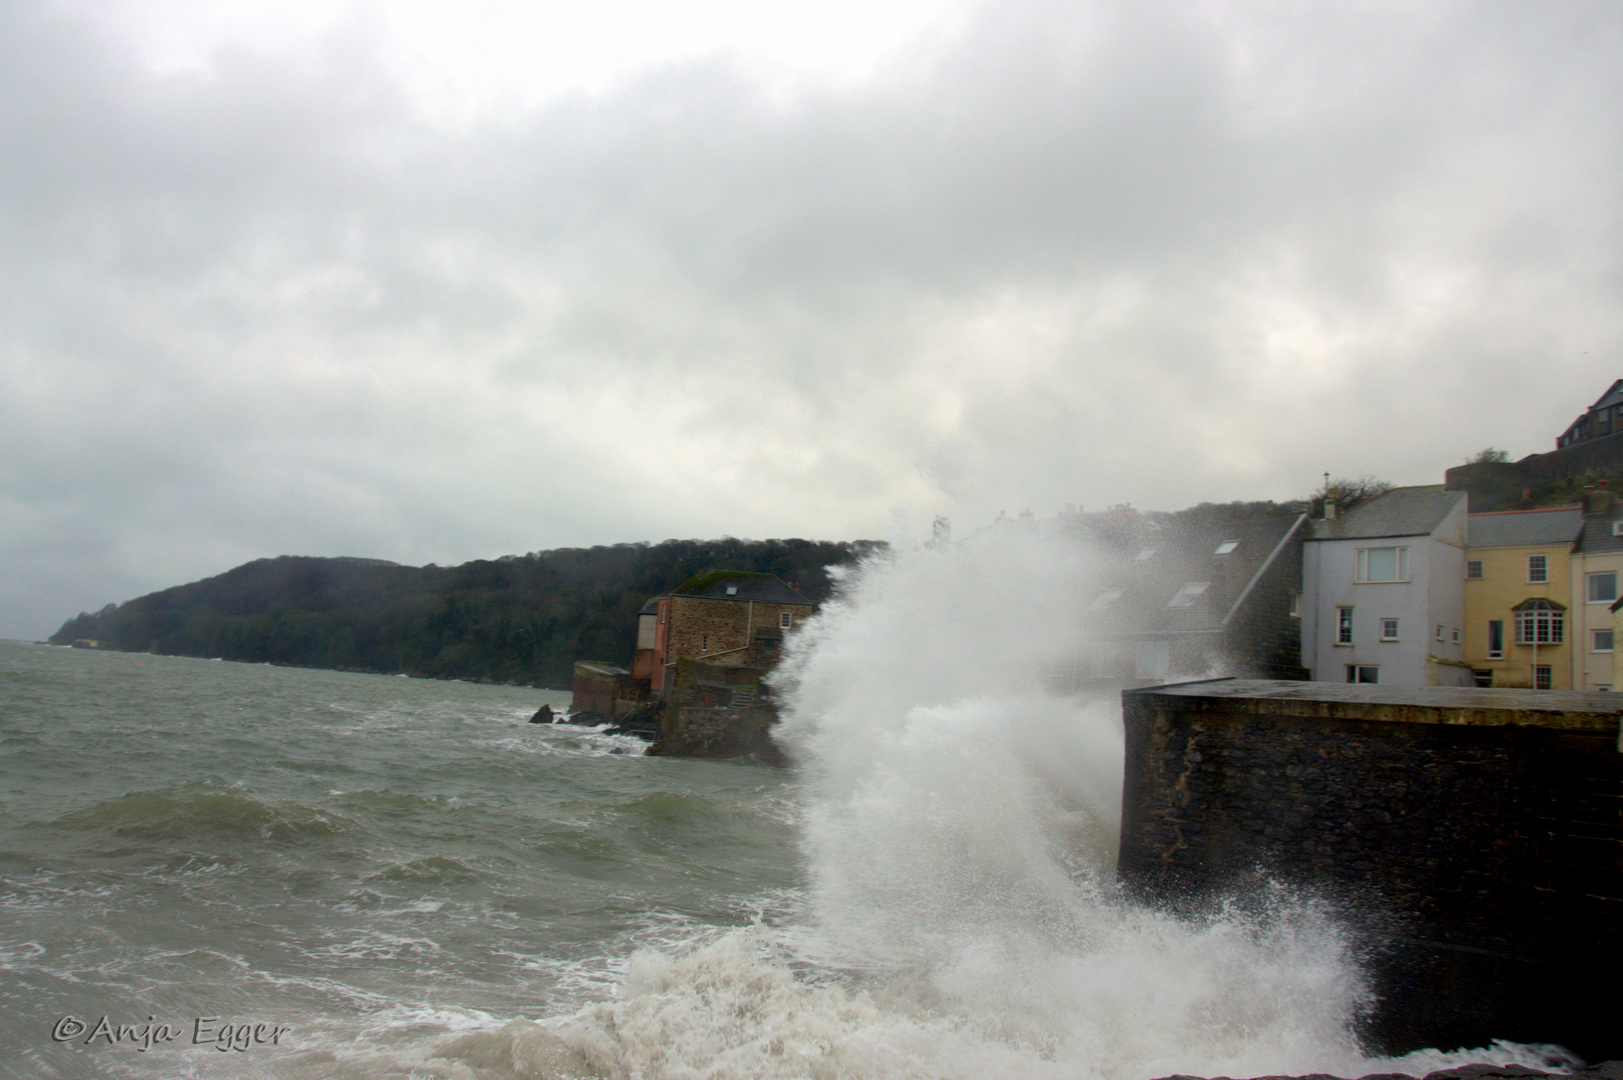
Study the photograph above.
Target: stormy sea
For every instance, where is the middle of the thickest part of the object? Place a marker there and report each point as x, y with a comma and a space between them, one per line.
211, 869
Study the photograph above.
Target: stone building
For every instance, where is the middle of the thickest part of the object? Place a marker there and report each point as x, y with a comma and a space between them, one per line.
722, 618
1603, 418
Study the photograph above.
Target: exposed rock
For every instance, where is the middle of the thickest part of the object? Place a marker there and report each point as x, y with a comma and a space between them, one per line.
543, 715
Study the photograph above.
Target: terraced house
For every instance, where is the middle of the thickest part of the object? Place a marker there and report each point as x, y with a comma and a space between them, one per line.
1381, 591
1519, 579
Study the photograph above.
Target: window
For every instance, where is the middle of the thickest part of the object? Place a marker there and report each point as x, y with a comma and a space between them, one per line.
1105, 599
1604, 689
1152, 659
1226, 547
704, 642
1496, 639
1383, 564
1188, 594
1389, 629
1344, 625
1455, 633
732, 590
1541, 676
785, 620
1601, 641
1483, 678
1473, 569
1538, 568
1617, 528
1539, 622
1602, 587
1296, 605
1363, 673
1438, 633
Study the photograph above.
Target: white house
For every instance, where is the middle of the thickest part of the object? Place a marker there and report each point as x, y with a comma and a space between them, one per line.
1383, 591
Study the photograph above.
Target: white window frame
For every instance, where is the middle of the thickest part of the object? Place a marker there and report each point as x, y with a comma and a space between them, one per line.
1540, 626
1226, 547
1538, 569
1543, 676
1356, 672
1591, 580
1473, 569
1344, 625
1499, 653
1401, 558
1595, 638
786, 620
1389, 628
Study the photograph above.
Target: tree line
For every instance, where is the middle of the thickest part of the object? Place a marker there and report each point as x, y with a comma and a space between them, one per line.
521, 619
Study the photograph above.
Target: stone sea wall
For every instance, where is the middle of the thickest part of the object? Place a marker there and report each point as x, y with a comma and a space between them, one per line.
1471, 839
718, 712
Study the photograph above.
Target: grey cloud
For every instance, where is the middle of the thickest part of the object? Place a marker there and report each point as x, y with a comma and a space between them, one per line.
1122, 252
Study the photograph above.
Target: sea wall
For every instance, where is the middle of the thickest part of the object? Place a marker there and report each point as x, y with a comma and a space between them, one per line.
1470, 839
718, 712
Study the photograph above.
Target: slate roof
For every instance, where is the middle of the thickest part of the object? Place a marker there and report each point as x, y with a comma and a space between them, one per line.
1524, 528
1613, 396
1597, 536
762, 588
1137, 590
1404, 511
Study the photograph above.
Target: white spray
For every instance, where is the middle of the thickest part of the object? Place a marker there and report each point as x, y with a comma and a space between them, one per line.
961, 803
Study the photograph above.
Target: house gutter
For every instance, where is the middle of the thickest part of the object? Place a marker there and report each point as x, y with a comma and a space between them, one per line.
1263, 569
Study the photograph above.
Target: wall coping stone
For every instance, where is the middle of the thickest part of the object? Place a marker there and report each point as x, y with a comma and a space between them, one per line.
1470, 706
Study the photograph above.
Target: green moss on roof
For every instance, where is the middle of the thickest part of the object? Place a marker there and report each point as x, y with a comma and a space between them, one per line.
700, 582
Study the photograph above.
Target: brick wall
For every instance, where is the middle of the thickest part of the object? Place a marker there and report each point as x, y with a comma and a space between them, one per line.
1471, 839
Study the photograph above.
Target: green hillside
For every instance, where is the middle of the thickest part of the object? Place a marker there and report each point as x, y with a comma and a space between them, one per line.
520, 619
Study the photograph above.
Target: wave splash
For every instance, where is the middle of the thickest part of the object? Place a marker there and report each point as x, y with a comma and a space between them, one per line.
961, 806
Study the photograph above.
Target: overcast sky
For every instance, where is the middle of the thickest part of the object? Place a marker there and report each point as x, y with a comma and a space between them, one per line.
444, 281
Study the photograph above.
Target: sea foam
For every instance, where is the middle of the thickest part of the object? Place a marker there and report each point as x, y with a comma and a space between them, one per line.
960, 805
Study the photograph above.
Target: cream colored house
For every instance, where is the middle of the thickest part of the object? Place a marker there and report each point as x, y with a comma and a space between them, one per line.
1597, 574
1520, 627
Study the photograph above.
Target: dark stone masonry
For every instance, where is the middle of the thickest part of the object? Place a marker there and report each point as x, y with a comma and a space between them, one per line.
1471, 841
1611, 1070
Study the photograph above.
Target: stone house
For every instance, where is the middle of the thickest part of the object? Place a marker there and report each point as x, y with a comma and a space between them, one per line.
1519, 575
1383, 591
722, 618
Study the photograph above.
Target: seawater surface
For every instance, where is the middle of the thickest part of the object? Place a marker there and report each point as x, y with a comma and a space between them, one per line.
403, 878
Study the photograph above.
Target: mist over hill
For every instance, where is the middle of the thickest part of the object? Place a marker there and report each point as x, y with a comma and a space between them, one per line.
521, 619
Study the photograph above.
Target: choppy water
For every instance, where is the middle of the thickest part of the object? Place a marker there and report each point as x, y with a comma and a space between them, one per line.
412, 881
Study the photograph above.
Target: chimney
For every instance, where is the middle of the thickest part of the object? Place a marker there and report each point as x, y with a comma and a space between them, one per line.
1601, 500
1330, 496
